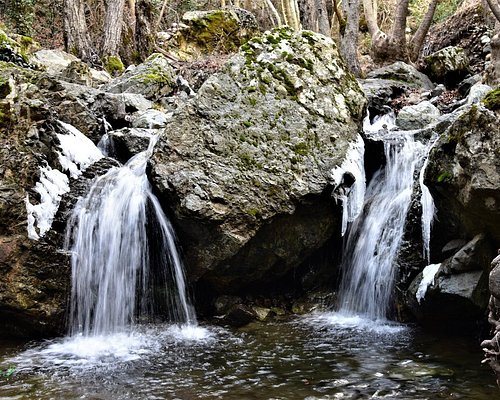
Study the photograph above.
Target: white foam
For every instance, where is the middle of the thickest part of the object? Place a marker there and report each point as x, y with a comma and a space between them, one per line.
78, 152
52, 185
380, 123
357, 322
428, 278
190, 333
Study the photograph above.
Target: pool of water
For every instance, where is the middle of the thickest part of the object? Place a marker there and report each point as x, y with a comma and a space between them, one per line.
322, 356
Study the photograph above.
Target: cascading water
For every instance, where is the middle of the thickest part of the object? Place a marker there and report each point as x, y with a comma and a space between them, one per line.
375, 236
110, 235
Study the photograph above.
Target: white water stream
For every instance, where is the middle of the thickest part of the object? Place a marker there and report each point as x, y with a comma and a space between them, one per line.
112, 234
374, 238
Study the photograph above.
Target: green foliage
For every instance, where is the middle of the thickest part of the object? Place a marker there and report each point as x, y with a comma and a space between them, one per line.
445, 9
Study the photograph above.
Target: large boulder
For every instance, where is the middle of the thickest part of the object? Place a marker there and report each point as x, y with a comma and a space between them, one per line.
248, 166
417, 116
449, 65
385, 84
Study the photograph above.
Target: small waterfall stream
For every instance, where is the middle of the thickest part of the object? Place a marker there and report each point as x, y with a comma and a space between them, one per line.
111, 234
374, 238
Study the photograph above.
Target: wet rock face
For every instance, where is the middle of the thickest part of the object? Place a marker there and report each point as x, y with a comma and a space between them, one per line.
464, 175
491, 347
456, 296
246, 165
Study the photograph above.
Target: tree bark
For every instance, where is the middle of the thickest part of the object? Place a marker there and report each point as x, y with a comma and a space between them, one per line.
323, 20
273, 11
417, 40
371, 11
76, 36
308, 14
495, 8
113, 27
398, 31
349, 35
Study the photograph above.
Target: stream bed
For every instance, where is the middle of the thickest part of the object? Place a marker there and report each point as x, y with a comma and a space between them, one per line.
320, 356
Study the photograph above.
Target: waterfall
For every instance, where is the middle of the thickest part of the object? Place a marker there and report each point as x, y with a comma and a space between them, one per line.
123, 252
374, 238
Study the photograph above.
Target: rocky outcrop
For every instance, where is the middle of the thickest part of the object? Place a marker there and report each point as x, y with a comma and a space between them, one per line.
464, 176
385, 84
35, 174
454, 294
246, 166
449, 65
467, 29
201, 33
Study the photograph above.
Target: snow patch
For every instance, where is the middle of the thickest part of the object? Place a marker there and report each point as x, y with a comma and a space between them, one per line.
77, 150
52, 185
353, 197
428, 277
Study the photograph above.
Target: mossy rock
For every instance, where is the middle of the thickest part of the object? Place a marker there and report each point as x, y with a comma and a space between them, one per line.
113, 65
216, 31
492, 100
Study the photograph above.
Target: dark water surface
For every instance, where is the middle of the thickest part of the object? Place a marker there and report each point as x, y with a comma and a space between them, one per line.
325, 356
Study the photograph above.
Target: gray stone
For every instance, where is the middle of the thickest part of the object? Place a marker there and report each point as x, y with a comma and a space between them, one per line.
150, 119
153, 79
417, 116
463, 174
402, 72
449, 65
246, 165
127, 142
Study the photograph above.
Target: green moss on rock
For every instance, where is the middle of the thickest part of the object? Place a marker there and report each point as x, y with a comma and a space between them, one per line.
113, 65
492, 100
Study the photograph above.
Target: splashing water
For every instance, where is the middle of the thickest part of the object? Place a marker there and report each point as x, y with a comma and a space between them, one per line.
111, 234
374, 238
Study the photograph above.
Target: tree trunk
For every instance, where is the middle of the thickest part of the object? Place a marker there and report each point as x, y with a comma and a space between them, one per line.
398, 31
144, 32
417, 40
308, 14
495, 8
371, 11
349, 35
76, 37
323, 20
113, 27
389, 48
